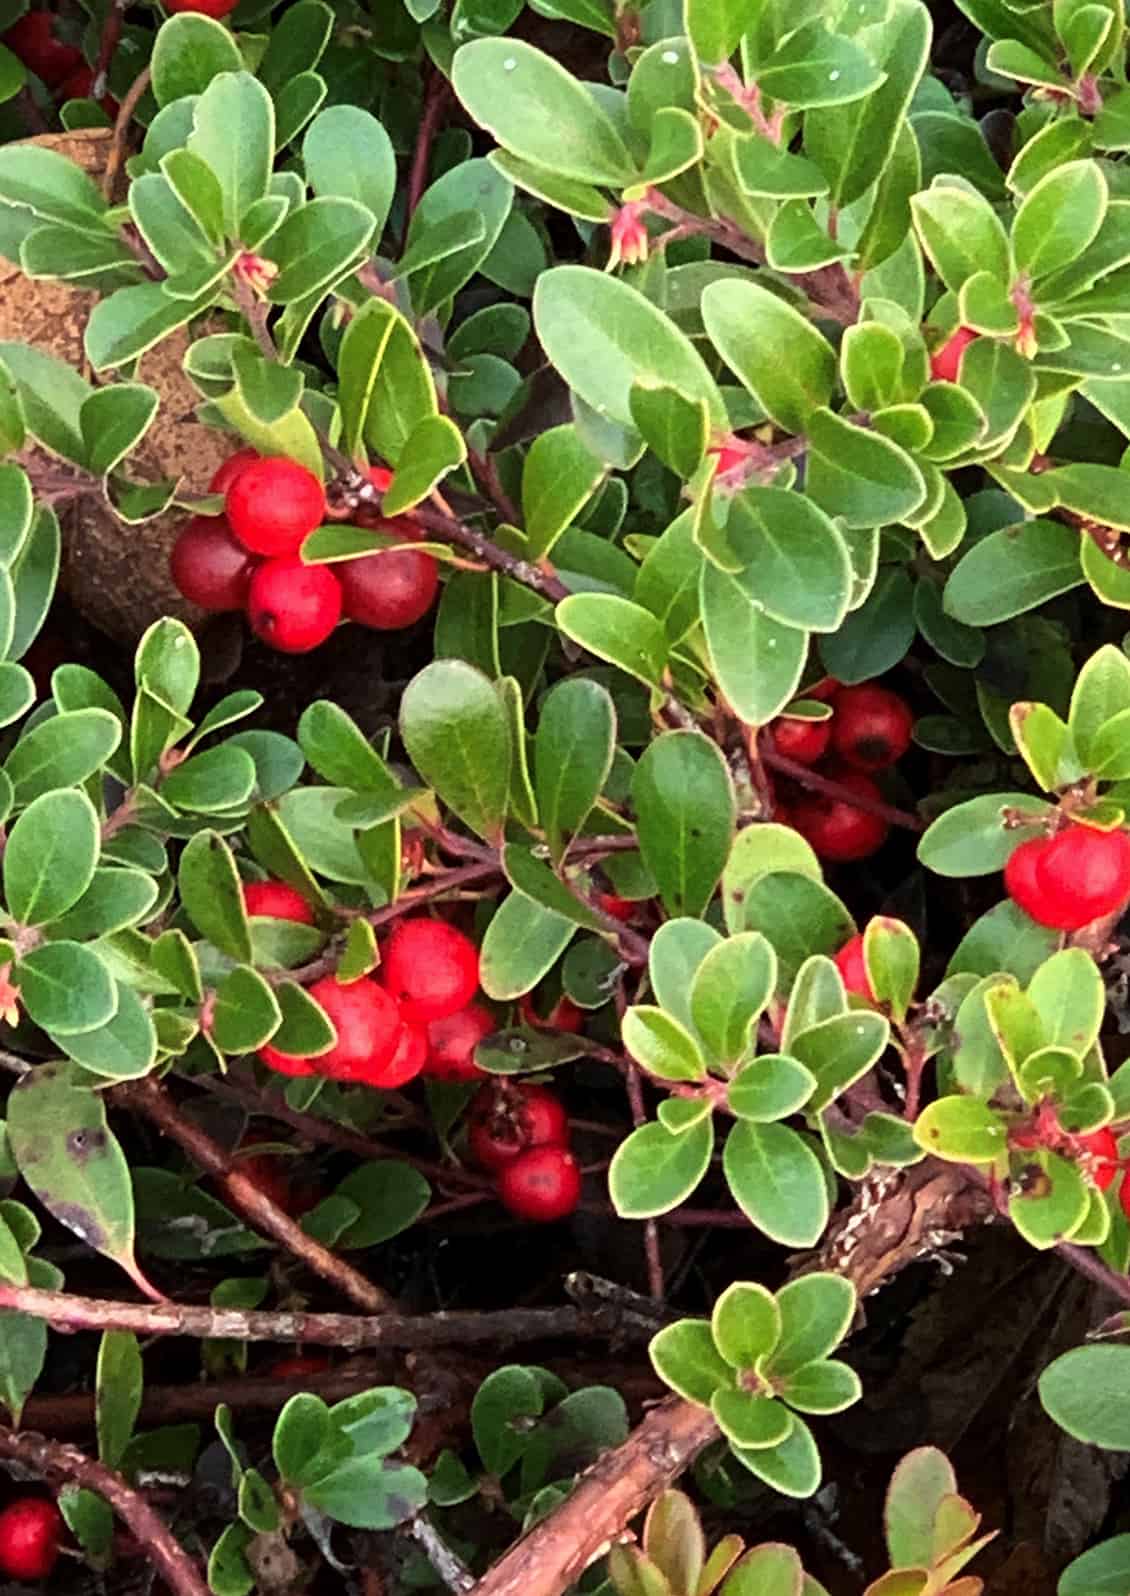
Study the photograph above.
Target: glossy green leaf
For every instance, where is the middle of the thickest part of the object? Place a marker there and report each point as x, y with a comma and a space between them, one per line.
746, 1324
686, 1358
662, 1046
787, 365
50, 856
654, 1170
457, 735
211, 894
685, 813
731, 988
616, 630
777, 1182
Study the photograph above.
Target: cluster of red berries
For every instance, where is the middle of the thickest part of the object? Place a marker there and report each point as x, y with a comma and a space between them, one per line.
60, 66
31, 1528
520, 1135
868, 730
419, 1017
1067, 880
248, 558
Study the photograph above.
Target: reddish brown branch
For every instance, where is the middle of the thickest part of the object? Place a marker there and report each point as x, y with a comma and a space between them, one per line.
832, 789
436, 95
447, 529
148, 1097
56, 1460
122, 122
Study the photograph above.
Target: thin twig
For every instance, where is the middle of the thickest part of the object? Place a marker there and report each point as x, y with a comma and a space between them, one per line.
57, 1460
1086, 1262
150, 1098
111, 37
447, 529
254, 313
452, 1570
121, 130
828, 788
650, 1229
436, 96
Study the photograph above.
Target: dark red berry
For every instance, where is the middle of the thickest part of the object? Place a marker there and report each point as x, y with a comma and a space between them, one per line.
406, 1062
452, 1043
33, 40
853, 968
543, 1184
872, 726
368, 1026
273, 504
1081, 874
298, 1368
209, 567
393, 588
945, 363
277, 900
1101, 1149
31, 1528
799, 739
836, 829
231, 468
77, 86
431, 969
504, 1121
292, 606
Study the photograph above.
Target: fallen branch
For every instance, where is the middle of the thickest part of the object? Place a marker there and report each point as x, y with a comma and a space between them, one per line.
55, 1459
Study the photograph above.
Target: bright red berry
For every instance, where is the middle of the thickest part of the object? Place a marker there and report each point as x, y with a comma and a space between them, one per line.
297, 1368
452, 1043
504, 1121
277, 900
1081, 874
1101, 1147
209, 567
945, 363
543, 1184
207, 8
406, 1062
872, 726
564, 1015
619, 908
368, 1027
292, 606
231, 468
30, 1530
391, 589
853, 968
33, 40
274, 504
799, 739
431, 969
837, 830
1020, 877
380, 477
285, 1063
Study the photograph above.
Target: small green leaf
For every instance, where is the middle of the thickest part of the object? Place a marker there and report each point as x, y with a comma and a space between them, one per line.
963, 1129
245, 1013
731, 988
522, 943
816, 1313
212, 896
685, 1357
117, 1394
770, 1088
654, 1170
61, 752
65, 988
50, 856
685, 809
617, 630
457, 735
777, 1182
1043, 239
661, 1045
572, 756
787, 365
792, 1468
746, 1324
749, 1420
1086, 1392
822, 1387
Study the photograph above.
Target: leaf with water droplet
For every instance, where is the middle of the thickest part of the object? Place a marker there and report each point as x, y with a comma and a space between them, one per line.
73, 1162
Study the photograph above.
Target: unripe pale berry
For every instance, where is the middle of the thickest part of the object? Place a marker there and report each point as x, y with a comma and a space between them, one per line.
431, 969
542, 1184
452, 1043
30, 1530
273, 504
209, 567
277, 900
871, 728
292, 606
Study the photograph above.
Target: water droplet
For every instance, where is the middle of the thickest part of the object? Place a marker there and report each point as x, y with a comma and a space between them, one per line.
671, 57
771, 642
834, 77
509, 64
1116, 366
861, 1030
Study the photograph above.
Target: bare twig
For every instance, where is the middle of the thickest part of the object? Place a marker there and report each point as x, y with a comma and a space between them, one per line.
107, 44
451, 1569
447, 529
650, 1229
57, 1460
150, 1098
121, 130
436, 95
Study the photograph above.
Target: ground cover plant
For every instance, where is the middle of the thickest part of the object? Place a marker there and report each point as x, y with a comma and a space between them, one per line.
564, 797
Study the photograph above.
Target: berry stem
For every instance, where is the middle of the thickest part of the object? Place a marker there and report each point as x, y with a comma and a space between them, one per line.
833, 789
651, 1229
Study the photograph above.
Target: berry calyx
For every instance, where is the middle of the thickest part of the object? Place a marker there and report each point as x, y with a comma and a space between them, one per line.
293, 607
393, 588
209, 567
31, 1528
406, 1063
452, 1043
276, 900
235, 463
1101, 1156
32, 39
273, 504
1081, 874
872, 726
368, 1026
945, 363
853, 968
431, 969
835, 828
802, 740
542, 1184
503, 1122
285, 1063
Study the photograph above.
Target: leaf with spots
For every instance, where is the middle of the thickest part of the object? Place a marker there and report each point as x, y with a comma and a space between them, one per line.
73, 1162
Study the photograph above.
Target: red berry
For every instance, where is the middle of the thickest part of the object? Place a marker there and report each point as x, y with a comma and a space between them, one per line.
853, 968
1081, 874
231, 468
30, 1530
825, 691
274, 504
285, 1063
209, 567
564, 1016
391, 589
619, 908
836, 829
263, 1172
292, 606
297, 1368
77, 86
276, 900
872, 726
33, 40
945, 363
802, 740
504, 1121
207, 8
380, 477
1101, 1147
452, 1043
543, 1184
431, 969
368, 1026
1020, 877
406, 1062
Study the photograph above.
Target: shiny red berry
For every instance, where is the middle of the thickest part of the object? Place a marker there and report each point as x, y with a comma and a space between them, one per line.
872, 726
431, 969
504, 1121
406, 1062
292, 606
1020, 878
368, 1025
391, 589
452, 1043
1101, 1148
853, 968
945, 363
1081, 874
33, 40
235, 463
285, 1063
564, 1015
802, 740
206, 8
277, 900
30, 1530
273, 504
209, 567
543, 1184
836, 829
619, 908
